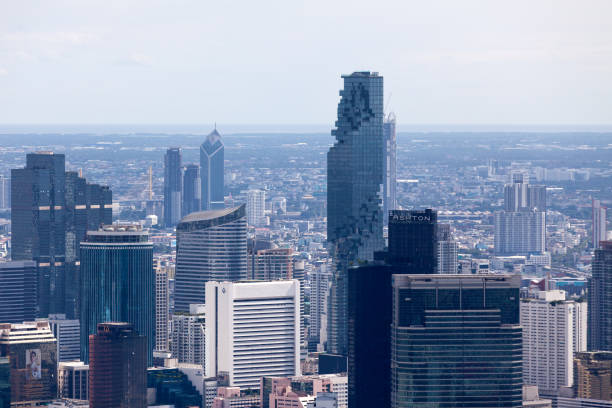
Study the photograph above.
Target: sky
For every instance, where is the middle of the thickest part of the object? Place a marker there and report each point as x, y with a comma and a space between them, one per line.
279, 62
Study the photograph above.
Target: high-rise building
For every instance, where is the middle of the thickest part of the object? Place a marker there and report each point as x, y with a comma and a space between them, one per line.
31, 349
211, 245
447, 250
389, 166
256, 207
17, 291
73, 380
67, 332
469, 327
354, 186
599, 298
162, 308
299, 273
274, 264
552, 326
188, 335
192, 185
5, 192
599, 223
118, 282
593, 375
413, 237
51, 210
173, 186
253, 330
212, 168
117, 367
319, 290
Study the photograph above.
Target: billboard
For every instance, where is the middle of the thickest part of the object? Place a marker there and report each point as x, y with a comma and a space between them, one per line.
33, 364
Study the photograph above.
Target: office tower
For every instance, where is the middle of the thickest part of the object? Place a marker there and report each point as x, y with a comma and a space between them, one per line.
67, 332
31, 349
413, 237
255, 245
389, 166
550, 325
319, 290
253, 330
117, 367
599, 298
188, 335
593, 375
469, 326
599, 223
274, 264
211, 245
173, 186
162, 308
447, 250
118, 282
354, 185
520, 232
17, 291
299, 273
256, 207
212, 171
192, 185
50, 212
5, 192
73, 380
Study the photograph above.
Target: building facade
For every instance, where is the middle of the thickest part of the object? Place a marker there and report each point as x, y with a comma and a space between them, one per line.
17, 291
211, 245
162, 308
256, 207
600, 300
599, 229
173, 186
188, 336
212, 168
354, 186
520, 232
73, 380
67, 332
274, 264
593, 375
389, 166
192, 190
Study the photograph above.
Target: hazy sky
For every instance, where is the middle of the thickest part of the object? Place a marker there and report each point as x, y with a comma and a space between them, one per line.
260, 62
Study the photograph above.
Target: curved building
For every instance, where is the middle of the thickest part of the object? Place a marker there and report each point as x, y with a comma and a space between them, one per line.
211, 246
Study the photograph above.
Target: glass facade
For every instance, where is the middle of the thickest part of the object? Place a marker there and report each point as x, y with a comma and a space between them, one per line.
117, 283
600, 300
354, 191
173, 186
456, 341
192, 196
413, 240
212, 168
389, 166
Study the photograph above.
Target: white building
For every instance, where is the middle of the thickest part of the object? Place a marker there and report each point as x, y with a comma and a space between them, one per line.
256, 207
319, 291
188, 345
73, 380
520, 232
161, 308
68, 335
599, 223
252, 330
552, 328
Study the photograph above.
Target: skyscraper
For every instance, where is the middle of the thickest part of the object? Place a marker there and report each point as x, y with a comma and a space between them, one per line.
212, 168
456, 341
319, 290
354, 186
17, 291
447, 250
5, 192
256, 207
51, 210
599, 223
192, 186
173, 186
118, 282
162, 308
600, 300
118, 367
389, 166
188, 343
253, 330
211, 245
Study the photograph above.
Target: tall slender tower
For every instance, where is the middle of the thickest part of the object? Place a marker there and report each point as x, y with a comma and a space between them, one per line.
599, 323
354, 189
192, 196
599, 223
389, 166
212, 154
173, 186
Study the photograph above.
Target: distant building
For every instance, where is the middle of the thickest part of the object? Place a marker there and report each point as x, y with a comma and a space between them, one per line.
5, 192
212, 171
256, 207
118, 282
68, 335
173, 186
117, 367
520, 232
17, 291
354, 185
211, 245
297, 391
31, 349
593, 375
192, 186
73, 380
447, 251
172, 388
389, 166
274, 264
600, 300
599, 223
253, 330
188, 336
162, 308
320, 278
233, 397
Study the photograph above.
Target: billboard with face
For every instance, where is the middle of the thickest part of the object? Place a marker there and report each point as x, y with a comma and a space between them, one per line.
33, 367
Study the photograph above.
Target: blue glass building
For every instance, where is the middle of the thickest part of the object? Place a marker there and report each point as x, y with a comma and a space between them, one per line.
354, 190
192, 195
117, 282
212, 168
173, 186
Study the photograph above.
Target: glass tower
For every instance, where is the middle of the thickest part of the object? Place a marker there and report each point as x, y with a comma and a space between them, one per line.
192, 196
211, 245
211, 171
600, 300
118, 282
354, 190
456, 341
173, 186
389, 166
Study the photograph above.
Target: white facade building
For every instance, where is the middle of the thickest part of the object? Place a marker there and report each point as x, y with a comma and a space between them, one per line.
188, 345
256, 207
161, 309
252, 330
599, 223
520, 232
552, 327
319, 291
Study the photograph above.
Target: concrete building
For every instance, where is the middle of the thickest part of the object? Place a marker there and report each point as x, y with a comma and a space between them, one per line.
447, 251
162, 308
319, 290
256, 208
173, 186
274, 264
531, 398
253, 330
599, 227
233, 397
302, 390
73, 380
593, 375
68, 335
188, 335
